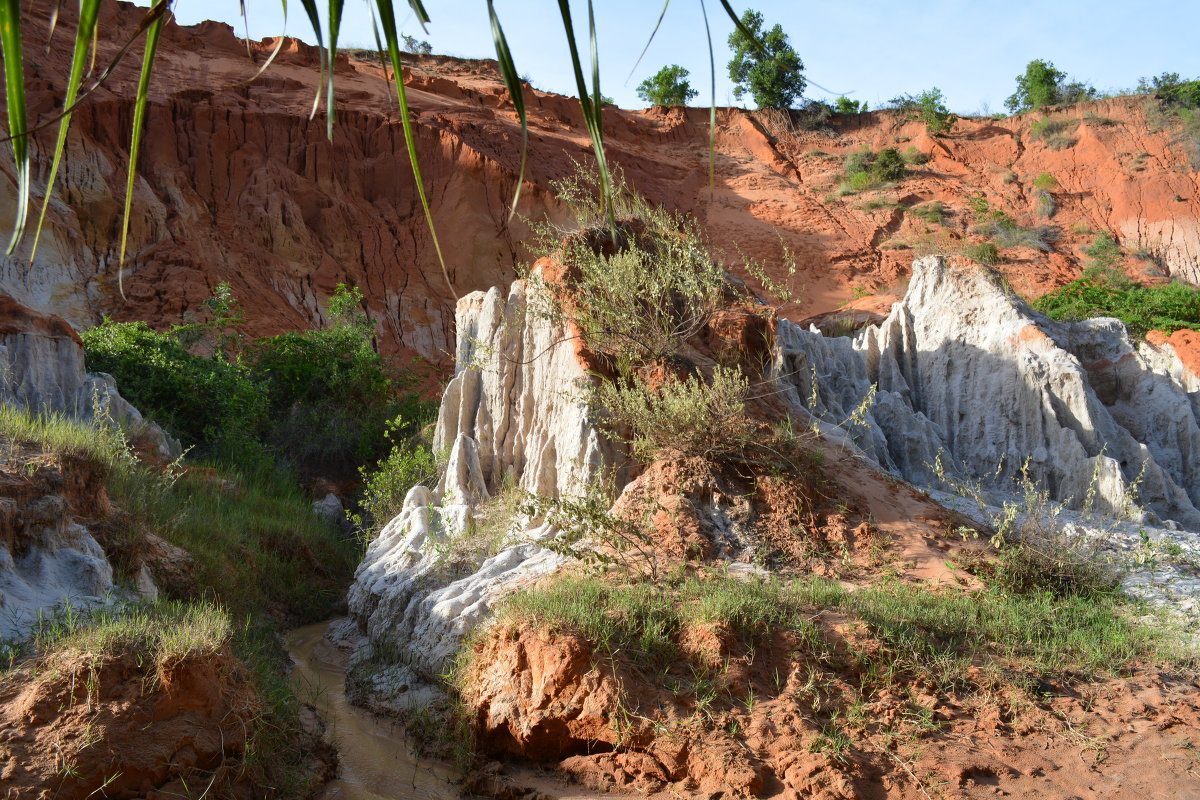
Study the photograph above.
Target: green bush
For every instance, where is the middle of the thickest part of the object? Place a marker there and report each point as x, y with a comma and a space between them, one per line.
667, 87
1044, 85
1104, 251
318, 401
933, 212
928, 106
1170, 87
864, 169
212, 404
330, 394
640, 297
844, 105
385, 485
682, 418
1107, 292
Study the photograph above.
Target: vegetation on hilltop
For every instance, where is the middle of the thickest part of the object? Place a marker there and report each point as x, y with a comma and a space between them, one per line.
764, 64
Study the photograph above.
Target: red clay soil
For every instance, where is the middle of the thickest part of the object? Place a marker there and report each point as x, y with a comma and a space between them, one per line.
87, 725
550, 700
238, 185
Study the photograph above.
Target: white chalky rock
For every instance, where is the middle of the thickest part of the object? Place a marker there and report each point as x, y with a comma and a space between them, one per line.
517, 411
965, 369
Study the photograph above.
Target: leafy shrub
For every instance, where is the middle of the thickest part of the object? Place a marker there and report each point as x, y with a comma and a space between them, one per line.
1170, 87
767, 66
1044, 85
844, 105
1104, 251
330, 394
409, 463
637, 298
867, 170
1107, 292
928, 106
667, 87
985, 253
680, 419
212, 404
315, 400
914, 157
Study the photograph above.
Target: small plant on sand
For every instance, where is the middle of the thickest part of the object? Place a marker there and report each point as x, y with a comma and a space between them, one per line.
864, 169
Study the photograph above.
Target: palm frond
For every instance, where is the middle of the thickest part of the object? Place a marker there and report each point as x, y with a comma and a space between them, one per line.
89, 13
139, 119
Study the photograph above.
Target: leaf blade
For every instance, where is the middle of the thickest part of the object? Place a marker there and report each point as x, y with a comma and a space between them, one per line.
512, 80
18, 128
387, 21
139, 118
89, 13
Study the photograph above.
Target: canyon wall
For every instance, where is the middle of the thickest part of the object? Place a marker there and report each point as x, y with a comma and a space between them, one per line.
236, 183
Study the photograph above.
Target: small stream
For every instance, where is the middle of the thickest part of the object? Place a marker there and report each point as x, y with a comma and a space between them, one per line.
375, 755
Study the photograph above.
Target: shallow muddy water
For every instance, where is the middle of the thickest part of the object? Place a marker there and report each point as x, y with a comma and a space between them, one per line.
375, 756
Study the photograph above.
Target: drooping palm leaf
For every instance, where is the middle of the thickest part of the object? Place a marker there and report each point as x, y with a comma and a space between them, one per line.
653, 33
712, 107
139, 119
154, 14
516, 91
89, 13
18, 129
335, 27
590, 106
310, 8
387, 21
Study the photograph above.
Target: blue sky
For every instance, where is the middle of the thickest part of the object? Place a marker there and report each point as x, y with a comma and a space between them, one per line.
873, 49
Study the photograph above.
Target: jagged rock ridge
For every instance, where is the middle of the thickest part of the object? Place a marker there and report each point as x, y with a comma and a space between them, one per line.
965, 370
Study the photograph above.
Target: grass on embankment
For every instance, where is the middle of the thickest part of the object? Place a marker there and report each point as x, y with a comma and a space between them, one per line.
261, 561
939, 634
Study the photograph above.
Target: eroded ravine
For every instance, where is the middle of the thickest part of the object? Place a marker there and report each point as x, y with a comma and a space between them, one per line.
375, 757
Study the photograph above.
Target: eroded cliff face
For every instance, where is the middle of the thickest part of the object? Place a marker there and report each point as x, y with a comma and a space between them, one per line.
959, 371
962, 384
237, 184
963, 378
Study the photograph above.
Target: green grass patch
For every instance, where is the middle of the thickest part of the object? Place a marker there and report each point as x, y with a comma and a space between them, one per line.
1106, 292
161, 632
985, 253
933, 212
1054, 133
938, 633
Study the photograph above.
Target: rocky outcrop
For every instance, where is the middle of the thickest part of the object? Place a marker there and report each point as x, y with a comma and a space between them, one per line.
42, 370
964, 374
48, 553
515, 416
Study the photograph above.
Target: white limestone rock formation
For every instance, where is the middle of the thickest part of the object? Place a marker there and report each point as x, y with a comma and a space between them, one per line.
514, 414
963, 368
47, 557
42, 369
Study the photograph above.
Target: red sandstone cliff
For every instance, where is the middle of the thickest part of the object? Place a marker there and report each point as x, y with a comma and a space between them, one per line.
237, 184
